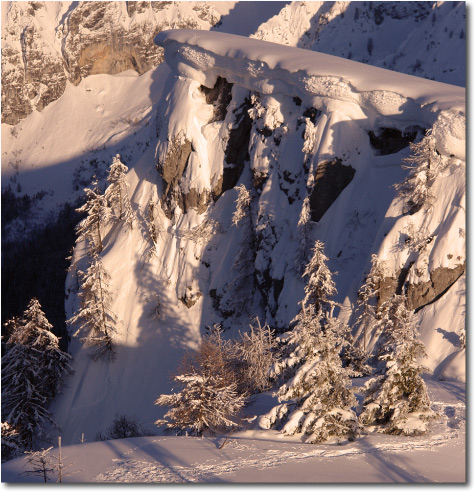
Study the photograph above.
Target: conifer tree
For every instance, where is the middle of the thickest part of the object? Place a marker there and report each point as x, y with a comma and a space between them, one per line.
368, 296
397, 401
96, 320
303, 228
117, 194
424, 164
98, 214
316, 397
320, 286
32, 369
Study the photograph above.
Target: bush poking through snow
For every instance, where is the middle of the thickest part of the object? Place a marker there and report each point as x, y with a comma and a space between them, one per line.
40, 462
398, 401
254, 354
208, 397
122, 427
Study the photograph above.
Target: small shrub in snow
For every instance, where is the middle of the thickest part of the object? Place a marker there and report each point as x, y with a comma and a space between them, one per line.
40, 462
424, 164
123, 427
208, 397
397, 401
254, 355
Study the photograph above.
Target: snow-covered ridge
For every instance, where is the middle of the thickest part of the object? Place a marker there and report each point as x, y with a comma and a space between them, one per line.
369, 93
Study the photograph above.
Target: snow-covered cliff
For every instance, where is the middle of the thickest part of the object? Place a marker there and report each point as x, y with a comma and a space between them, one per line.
318, 141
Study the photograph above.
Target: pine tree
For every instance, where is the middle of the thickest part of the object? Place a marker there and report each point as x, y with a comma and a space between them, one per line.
397, 401
98, 214
208, 398
320, 286
317, 398
424, 164
303, 228
32, 369
116, 194
95, 317
368, 297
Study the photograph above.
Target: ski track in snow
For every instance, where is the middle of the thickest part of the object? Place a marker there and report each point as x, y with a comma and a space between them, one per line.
128, 469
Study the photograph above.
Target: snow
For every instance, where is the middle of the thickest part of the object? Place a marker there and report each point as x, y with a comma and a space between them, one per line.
105, 115
268, 456
292, 65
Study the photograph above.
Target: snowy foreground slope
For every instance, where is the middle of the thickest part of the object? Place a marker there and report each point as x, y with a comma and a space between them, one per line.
285, 123
266, 456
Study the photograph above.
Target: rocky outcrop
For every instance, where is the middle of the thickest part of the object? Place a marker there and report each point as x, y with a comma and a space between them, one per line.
88, 38
237, 150
331, 178
441, 279
391, 140
420, 294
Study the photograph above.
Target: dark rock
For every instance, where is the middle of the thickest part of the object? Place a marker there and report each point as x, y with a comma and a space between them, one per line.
190, 298
312, 113
237, 150
390, 140
219, 96
331, 178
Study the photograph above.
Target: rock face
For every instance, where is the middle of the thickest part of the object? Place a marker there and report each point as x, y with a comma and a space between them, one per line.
331, 178
45, 44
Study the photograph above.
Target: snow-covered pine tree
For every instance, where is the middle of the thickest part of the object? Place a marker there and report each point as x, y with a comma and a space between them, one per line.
397, 402
243, 205
96, 320
98, 214
24, 404
368, 297
320, 286
424, 164
208, 398
317, 398
303, 228
35, 331
32, 369
116, 194
40, 462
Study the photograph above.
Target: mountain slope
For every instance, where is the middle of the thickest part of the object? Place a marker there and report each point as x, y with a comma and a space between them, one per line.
289, 125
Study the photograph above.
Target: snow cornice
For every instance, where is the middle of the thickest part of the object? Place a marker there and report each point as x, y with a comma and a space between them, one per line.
270, 67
